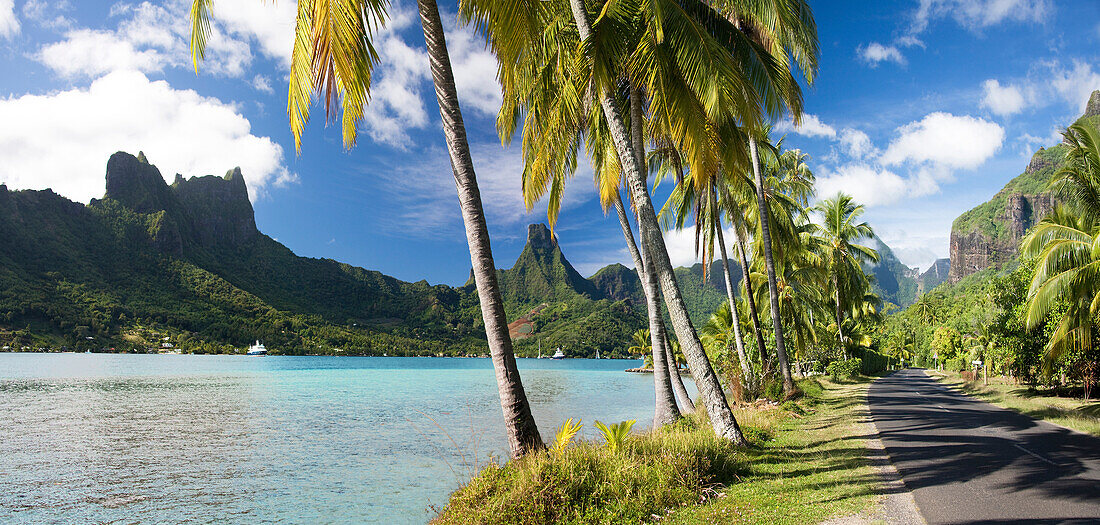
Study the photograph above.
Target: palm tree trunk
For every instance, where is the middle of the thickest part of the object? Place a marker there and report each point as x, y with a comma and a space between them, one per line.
756, 326
839, 318
769, 262
665, 410
746, 368
677, 379
653, 248
523, 434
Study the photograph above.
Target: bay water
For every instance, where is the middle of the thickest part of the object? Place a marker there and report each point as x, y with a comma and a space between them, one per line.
110, 438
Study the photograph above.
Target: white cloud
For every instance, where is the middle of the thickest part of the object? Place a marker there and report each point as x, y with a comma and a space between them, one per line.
402, 79
271, 24
9, 23
946, 140
150, 38
1076, 84
856, 143
48, 14
62, 140
866, 184
874, 53
979, 14
425, 202
261, 83
1002, 100
811, 126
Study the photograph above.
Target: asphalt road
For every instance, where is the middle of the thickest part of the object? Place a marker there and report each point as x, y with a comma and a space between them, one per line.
967, 461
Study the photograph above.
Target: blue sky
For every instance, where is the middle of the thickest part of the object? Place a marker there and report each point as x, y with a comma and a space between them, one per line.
923, 109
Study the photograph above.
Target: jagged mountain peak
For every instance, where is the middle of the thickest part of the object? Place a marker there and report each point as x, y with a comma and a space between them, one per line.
1092, 108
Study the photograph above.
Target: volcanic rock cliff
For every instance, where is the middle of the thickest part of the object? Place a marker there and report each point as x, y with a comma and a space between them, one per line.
990, 233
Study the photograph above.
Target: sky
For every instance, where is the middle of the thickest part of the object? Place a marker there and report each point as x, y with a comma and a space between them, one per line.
921, 110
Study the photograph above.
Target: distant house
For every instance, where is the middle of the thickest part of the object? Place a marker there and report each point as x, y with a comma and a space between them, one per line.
166, 345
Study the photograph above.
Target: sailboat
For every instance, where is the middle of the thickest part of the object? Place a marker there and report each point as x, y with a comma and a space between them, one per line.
540, 350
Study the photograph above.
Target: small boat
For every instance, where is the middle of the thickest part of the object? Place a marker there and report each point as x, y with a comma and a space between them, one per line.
540, 350
558, 354
257, 349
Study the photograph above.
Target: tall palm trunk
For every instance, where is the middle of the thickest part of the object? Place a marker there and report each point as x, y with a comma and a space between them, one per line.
769, 262
523, 434
653, 249
677, 379
839, 318
665, 410
746, 368
756, 326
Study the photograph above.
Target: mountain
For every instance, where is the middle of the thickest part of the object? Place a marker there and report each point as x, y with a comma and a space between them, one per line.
894, 281
186, 261
989, 234
939, 272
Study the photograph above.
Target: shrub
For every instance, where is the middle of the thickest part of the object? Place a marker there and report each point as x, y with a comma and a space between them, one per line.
773, 389
957, 364
587, 483
848, 369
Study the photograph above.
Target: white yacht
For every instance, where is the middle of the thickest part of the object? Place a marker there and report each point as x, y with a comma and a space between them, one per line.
257, 349
558, 354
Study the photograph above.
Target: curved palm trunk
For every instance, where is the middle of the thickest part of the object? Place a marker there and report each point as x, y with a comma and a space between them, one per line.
653, 250
746, 368
757, 328
523, 434
665, 411
677, 379
769, 262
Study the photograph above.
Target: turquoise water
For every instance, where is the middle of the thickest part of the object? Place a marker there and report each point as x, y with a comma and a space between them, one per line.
95, 438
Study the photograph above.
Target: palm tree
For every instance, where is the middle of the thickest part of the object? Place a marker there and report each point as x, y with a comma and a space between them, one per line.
333, 58
639, 343
843, 257
1066, 246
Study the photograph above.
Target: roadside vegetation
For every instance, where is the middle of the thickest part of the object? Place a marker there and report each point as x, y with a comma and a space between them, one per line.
805, 463
1048, 404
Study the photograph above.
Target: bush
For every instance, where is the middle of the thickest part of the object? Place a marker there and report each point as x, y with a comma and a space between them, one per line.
587, 483
848, 369
957, 364
773, 389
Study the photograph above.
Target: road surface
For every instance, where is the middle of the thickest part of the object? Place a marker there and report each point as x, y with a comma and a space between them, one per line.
967, 461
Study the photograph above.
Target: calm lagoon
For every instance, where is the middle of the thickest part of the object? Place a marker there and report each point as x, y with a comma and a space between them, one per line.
102, 438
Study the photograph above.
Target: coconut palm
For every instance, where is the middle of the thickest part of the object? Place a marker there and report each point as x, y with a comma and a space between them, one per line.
843, 257
333, 58
1066, 246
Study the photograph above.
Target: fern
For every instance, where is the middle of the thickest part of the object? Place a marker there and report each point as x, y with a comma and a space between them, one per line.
565, 436
616, 434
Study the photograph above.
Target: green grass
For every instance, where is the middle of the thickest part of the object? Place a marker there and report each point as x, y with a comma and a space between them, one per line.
1075, 413
799, 469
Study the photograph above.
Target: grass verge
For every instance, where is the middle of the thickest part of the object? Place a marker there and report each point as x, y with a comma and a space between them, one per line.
1080, 415
806, 464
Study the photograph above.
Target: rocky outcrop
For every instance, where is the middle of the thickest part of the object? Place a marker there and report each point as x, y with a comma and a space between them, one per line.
203, 212
218, 208
974, 251
1092, 108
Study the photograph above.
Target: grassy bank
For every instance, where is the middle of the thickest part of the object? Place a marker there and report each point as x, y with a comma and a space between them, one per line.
807, 464
1042, 404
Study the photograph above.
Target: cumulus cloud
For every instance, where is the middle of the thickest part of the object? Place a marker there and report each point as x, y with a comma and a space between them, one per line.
9, 24
855, 143
1075, 84
1002, 100
874, 53
867, 184
49, 15
950, 141
811, 126
62, 140
150, 38
402, 79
